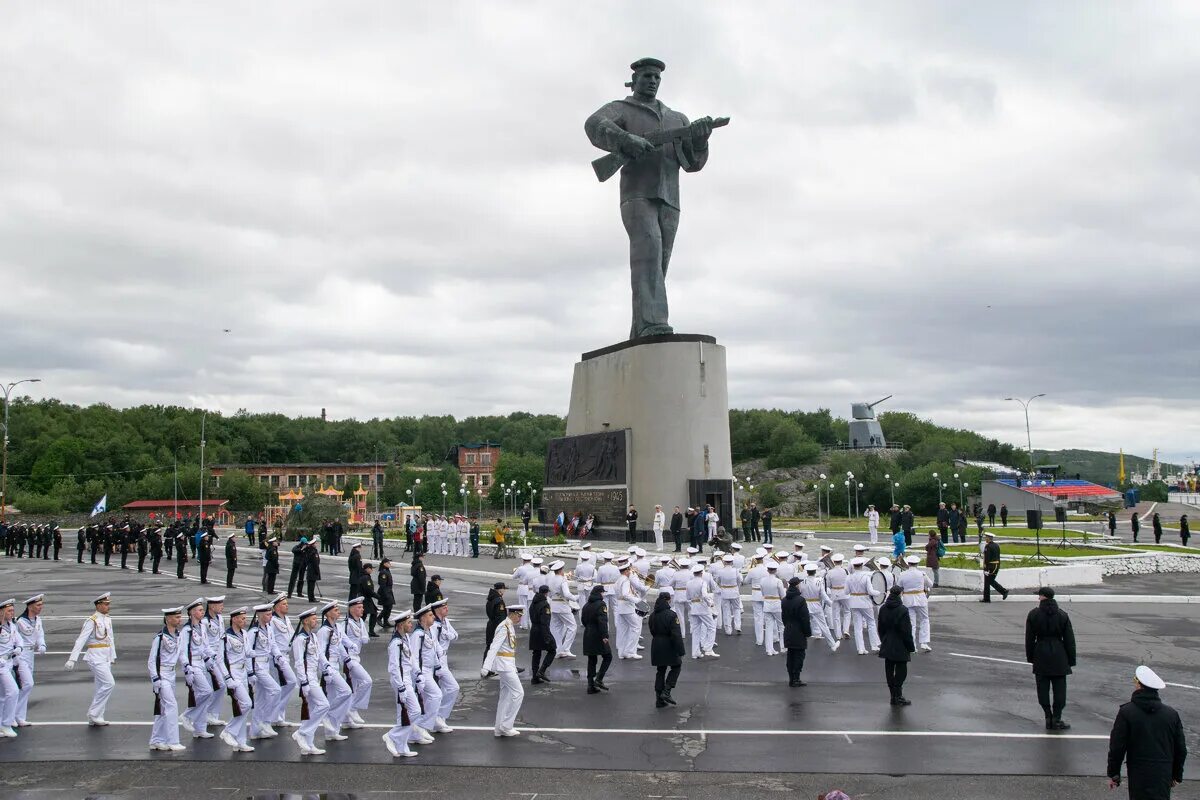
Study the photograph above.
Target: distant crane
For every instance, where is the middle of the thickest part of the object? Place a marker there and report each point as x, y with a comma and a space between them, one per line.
865, 430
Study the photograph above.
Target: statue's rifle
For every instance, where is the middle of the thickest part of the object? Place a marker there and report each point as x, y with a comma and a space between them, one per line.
608, 165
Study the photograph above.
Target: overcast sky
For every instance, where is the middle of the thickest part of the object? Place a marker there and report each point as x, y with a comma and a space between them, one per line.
389, 206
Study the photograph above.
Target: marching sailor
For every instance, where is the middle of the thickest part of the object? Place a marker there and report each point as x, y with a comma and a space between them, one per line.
281, 659
629, 624
333, 658
400, 672
835, 583
585, 577
501, 660
355, 637
729, 580
237, 683
33, 643
607, 575
98, 638
309, 667
213, 627
523, 575
915, 585
194, 655
563, 625
679, 598
812, 588
444, 635
262, 657
754, 577
429, 662
772, 593
700, 608
164, 655
861, 614
11, 646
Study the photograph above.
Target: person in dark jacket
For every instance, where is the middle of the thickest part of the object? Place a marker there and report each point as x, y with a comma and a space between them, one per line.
895, 644
433, 590
943, 520
205, 555
907, 521
271, 566
1004, 515
383, 588
299, 562
377, 540
594, 617
797, 627
230, 560
1135, 524
364, 587
496, 612
418, 583
1112, 523
1148, 736
312, 571
1156, 523
677, 528
768, 534
181, 556
354, 565
991, 568
631, 523
666, 649
1185, 531
1050, 648
541, 640
991, 514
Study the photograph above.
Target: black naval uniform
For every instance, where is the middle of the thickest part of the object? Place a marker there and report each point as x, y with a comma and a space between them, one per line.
143, 547
496, 612
80, 544
180, 555
1148, 736
156, 549
271, 567
230, 560
204, 553
387, 597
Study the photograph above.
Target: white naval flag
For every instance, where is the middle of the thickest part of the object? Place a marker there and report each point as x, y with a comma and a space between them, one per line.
101, 507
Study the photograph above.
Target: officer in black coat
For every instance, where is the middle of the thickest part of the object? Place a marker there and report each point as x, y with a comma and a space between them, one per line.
231, 560
377, 540
312, 570
677, 528
143, 548
541, 640
354, 562
80, 543
896, 644
155, 543
495, 609
594, 618
383, 590
666, 649
1050, 648
204, 554
299, 562
1148, 736
271, 565
418, 582
433, 590
181, 556
797, 628
364, 587
991, 569
1135, 524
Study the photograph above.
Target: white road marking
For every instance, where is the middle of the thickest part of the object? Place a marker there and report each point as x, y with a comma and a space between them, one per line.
701, 733
989, 658
1181, 685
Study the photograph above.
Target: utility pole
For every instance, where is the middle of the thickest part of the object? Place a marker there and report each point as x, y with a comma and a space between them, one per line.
4, 469
1028, 438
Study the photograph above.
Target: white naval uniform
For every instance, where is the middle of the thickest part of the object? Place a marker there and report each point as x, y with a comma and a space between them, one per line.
664, 581
33, 638
502, 659
861, 613
629, 624
310, 665
660, 520
213, 629
444, 635
812, 589
100, 641
786, 571
772, 592
266, 688
524, 576
11, 646
285, 676
835, 583
355, 637
464, 538
563, 625
194, 657
754, 577
873, 525
704, 628
337, 691
585, 579
164, 656
401, 668
237, 667
914, 585
428, 661
729, 581
679, 599
607, 575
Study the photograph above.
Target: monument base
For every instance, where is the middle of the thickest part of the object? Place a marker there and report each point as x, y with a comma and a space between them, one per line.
669, 395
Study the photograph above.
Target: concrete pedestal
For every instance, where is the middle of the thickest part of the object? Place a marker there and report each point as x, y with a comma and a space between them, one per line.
671, 394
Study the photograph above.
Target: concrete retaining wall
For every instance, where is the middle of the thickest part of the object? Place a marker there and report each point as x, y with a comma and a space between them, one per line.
1025, 577
1142, 563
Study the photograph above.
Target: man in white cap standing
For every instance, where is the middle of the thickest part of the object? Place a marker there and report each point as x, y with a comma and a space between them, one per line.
1148, 736
629, 624
164, 655
914, 587
700, 609
98, 638
729, 580
501, 660
660, 522
812, 589
861, 613
523, 576
33, 643
772, 594
872, 523
754, 577
563, 625
679, 600
607, 576
585, 576
835, 584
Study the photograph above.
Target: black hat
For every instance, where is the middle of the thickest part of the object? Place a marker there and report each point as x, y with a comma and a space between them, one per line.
1046, 592
384, 560
647, 62
499, 585
794, 582
436, 578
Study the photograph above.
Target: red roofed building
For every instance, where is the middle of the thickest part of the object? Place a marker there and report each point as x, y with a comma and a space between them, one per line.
167, 508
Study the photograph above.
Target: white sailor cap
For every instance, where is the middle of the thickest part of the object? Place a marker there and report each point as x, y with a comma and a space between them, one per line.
517, 609
838, 558
199, 601
639, 552
691, 551
356, 544
537, 562
428, 609
717, 552
737, 546
220, 599
31, 600
555, 566
989, 534
102, 598
237, 612
258, 609
311, 612
826, 548
436, 604
279, 598
760, 553
912, 561
728, 559
883, 561
526, 556
768, 547
607, 556
355, 601
697, 569
585, 546
330, 606
402, 616
798, 545
857, 562
623, 563
860, 548
544, 569
171, 611
1149, 678
585, 556
811, 567
664, 559
9, 602
633, 548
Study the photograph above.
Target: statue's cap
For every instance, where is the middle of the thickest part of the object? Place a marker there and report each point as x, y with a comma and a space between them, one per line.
647, 62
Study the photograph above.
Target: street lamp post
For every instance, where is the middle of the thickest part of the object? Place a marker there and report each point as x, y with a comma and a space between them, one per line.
817, 489
413, 493
857, 511
479, 492
939, 487
4, 469
829, 501
960, 494
847, 484
175, 458
203, 420
822, 485
1028, 438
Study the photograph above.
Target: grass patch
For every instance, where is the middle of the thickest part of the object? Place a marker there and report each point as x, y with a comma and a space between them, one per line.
1167, 548
965, 562
1048, 549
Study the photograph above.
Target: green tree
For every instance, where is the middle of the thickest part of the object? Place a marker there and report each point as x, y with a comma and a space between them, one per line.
527, 471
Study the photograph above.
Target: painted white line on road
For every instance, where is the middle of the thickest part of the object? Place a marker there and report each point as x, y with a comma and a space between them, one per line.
1182, 685
1124, 599
989, 658
702, 733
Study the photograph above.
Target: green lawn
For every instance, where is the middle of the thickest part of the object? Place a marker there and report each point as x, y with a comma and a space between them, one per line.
963, 562
1048, 549
1168, 548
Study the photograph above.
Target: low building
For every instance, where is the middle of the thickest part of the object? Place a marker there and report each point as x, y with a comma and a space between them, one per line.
170, 508
299, 476
476, 462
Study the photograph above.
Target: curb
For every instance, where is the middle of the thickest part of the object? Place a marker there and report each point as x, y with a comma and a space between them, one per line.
1076, 598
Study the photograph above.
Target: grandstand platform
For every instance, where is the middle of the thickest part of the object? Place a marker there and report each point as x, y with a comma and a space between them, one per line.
1065, 488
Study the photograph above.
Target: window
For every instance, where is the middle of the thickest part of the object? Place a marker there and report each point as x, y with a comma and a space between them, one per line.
470, 459
339, 480
329, 480
274, 480
216, 481
485, 459
264, 479
379, 479
293, 480
484, 480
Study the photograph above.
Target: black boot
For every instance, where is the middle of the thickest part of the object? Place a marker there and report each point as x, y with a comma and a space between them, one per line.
667, 696
601, 685
1059, 725
1049, 721
592, 689
542, 675
536, 679
658, 700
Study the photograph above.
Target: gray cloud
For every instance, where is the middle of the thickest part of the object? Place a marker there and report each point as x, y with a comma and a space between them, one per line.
390, 207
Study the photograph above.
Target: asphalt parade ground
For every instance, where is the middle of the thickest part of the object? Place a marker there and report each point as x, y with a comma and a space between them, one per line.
974, 729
